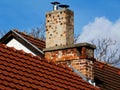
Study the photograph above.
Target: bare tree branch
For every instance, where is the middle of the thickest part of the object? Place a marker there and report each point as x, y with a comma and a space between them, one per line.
76, 37
105, 51
38, 32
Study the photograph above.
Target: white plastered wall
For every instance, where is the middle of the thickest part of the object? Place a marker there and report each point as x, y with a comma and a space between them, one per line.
16, 44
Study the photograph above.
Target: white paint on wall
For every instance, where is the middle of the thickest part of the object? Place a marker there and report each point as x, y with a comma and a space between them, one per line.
16, 44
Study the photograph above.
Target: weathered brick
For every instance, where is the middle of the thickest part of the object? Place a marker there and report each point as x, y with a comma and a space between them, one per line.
60, 32
59, 28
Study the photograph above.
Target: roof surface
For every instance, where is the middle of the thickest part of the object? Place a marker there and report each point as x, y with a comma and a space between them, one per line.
106, 76
33, 44
19, 70
37, 42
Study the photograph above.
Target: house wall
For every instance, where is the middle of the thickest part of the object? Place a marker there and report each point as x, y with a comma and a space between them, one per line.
16, 44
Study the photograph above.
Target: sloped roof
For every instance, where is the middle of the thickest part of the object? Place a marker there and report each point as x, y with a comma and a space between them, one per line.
33, 44
37, 42
19, 70
107, 77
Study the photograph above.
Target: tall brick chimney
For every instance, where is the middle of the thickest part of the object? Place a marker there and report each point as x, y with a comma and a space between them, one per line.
60, 45
59, 27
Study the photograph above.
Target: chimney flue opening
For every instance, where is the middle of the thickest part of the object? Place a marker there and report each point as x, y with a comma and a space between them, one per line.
55, 5
64, 6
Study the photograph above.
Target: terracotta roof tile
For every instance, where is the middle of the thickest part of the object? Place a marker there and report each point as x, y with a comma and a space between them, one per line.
37, 42
107, 76
119, 72
19, 70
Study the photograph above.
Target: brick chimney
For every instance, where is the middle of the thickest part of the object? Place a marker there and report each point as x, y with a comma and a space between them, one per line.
59, 42
59, 27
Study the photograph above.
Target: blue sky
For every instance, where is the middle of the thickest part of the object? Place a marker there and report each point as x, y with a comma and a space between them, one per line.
26, 14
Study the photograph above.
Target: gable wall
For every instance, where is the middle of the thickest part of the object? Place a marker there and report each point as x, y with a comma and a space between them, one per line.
16, 44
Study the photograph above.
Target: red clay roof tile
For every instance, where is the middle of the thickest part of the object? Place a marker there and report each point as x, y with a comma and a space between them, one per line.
119, 72
107, 76
37, 42
19, 70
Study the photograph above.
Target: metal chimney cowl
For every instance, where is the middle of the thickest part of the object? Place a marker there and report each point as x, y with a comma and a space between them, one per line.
55, 5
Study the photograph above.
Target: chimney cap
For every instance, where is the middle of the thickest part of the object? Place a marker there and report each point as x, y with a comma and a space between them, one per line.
64, 6
55, 3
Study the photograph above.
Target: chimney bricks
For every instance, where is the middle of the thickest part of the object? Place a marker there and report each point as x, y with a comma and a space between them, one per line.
60, 45
59, 27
